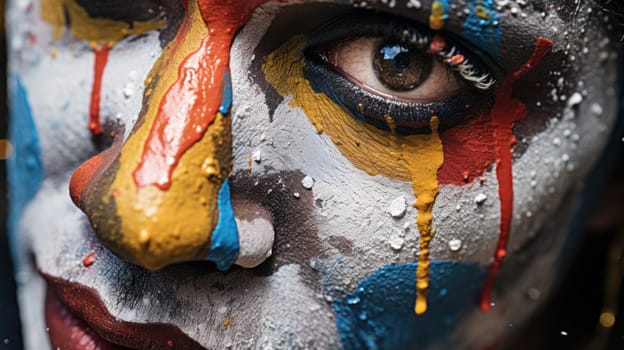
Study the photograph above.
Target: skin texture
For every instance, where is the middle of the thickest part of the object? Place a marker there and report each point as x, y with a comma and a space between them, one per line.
345, 271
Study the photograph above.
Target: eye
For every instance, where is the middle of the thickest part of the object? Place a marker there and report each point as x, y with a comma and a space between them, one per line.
394, 69
379, 67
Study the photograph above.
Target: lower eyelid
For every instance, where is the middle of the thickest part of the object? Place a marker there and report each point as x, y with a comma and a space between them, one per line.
411, 118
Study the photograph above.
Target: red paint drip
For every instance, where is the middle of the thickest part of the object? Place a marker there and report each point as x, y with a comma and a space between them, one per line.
101, 58
190, 105
506, 111
89, 259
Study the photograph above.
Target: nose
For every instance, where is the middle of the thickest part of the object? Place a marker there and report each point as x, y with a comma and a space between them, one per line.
163, 196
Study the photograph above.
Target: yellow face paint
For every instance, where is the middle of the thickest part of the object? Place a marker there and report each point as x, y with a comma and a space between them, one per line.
415, 158
367, 147
96, 31
52, 12
160, 227
436, 20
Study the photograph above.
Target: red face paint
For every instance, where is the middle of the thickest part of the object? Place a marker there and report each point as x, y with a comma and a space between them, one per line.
506, 111
468, 151
89, 259
191, 104
101, 58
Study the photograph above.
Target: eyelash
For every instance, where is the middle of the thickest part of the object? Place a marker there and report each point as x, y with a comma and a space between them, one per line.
458, 63
409, 117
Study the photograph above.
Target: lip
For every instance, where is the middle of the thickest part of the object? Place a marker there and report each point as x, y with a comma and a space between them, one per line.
78, 320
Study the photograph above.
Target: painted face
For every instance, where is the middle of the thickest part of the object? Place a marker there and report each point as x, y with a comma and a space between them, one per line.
298, 174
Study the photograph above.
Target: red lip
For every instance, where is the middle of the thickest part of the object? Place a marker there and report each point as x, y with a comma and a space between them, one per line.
78, 320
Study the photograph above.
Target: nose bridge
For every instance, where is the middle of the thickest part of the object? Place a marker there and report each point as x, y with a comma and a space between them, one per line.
165, 197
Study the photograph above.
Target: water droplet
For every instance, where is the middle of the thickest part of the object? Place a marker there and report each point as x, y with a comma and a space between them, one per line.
575, 99
596, 109
398, 207
353, 300
257, 156
307, 182
480, 198
455, 245
128, 91
396, 243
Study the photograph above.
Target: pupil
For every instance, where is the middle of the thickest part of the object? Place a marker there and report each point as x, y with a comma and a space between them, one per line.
401, 67
402, 61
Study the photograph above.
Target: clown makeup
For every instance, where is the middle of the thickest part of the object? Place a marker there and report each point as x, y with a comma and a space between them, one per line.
298, 174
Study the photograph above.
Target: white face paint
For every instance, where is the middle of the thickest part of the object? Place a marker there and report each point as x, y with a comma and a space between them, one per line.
341, 271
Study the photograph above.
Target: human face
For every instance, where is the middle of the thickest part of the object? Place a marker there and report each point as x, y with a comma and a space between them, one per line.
395, 174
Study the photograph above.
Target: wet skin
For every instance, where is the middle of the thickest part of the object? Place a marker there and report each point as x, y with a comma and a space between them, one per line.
308, 104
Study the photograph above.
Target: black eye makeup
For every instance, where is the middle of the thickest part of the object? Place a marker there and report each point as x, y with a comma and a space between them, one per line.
380, 67
123, 10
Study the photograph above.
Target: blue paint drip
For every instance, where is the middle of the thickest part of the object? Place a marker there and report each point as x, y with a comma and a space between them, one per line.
380, 314
226, 101
484, 33
24, 167
224, 242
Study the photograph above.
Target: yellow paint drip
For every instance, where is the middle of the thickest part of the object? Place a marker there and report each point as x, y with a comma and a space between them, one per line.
96, 31
436, 20
424, 158
415, 158
481, 11
157, 227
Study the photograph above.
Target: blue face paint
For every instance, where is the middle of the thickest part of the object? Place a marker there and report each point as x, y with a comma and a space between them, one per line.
380, 314
24, 167
482, 27
226, 100
224, 241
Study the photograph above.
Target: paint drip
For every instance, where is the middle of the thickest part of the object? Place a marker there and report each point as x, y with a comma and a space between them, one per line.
438, 15
196, 95
424, 158
101, 58
506, 111
101, 34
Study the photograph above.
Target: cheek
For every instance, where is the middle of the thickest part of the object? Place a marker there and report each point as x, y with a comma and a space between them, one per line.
25, 170
61, 111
